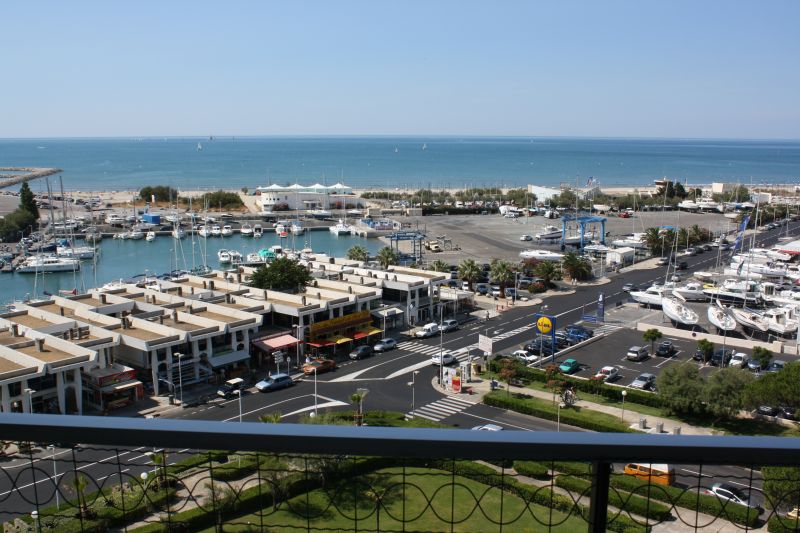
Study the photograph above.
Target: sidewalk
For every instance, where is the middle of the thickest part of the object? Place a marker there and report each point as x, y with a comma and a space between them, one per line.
481, 387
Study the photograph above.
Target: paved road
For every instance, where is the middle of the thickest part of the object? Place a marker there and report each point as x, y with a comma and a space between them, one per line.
387, 376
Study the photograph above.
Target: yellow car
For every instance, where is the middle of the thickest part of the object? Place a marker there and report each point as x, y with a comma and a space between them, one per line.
794, 514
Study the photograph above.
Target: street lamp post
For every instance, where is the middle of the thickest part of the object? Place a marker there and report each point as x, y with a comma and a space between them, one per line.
624, 393
441, 346
29, 394
361, 393
35, 518
239, 394
411, 384
52, 448
315, 391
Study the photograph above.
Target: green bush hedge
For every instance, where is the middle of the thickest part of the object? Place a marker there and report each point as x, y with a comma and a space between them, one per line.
626, 501
777, 524
679, 497
528, 375
529, 405
532, 469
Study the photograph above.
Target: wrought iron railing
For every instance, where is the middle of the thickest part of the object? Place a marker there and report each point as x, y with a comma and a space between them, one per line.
96, 474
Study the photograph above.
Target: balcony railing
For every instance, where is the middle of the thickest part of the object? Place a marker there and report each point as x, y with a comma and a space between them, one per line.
98, 474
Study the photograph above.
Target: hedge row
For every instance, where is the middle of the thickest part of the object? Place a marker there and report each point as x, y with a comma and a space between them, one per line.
532, 469
694, 501
529, 405
528, 493
626, 502
528, 375
778, 524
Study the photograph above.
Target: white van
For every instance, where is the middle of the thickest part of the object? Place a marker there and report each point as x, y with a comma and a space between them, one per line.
428, 330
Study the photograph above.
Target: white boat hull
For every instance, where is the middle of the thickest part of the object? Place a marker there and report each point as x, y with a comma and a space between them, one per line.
720, 318
678, 312
750, 319
646, 298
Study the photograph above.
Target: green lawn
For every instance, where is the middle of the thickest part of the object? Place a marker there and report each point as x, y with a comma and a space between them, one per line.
432, 499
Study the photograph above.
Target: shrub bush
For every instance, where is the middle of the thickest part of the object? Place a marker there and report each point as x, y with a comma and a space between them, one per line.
625, 501
532, 469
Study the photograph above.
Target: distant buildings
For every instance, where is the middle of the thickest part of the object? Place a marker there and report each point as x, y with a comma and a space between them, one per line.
300, 197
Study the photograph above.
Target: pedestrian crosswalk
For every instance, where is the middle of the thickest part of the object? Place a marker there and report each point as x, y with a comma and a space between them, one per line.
440, 409
608, 328
462, 354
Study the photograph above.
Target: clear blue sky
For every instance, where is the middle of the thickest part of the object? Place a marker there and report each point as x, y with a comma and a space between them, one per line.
714, 69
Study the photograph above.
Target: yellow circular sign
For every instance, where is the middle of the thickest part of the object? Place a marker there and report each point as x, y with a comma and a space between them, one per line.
544, 324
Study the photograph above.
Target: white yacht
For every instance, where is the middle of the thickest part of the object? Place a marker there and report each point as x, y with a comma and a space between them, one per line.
235, 255
721, 317
204, 231
707, 204
689, 205
542, 255
226, 231
48, 263
340, 228
280, 228
750, 319
320, 213
652, 296
778, 321
691, 292
246, 230
633, 240
775, 255
257, 231
178, 232
76, 252
548, 233
216, 231
678, 312
136, 234
150, 237
735, 292
297, 228
224, 256
113, 219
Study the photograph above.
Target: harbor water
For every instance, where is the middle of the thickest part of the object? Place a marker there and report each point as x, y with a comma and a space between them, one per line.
124, 259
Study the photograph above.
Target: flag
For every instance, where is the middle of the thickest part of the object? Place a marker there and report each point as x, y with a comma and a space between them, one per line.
740, 234
590, 181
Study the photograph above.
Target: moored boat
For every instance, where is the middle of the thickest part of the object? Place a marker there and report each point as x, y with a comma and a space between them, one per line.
678, 312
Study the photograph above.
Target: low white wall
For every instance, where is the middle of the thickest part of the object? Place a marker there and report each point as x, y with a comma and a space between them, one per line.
774, 347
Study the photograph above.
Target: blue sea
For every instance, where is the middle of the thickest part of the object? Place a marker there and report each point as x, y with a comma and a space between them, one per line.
399, 162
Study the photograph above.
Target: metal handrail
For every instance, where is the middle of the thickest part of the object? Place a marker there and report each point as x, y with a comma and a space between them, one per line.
399, 442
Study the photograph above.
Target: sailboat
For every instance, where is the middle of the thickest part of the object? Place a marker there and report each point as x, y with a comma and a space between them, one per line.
396, 150
750, 319
199, 147
720, 317
297, 228
151, 236
678, 312
424, 146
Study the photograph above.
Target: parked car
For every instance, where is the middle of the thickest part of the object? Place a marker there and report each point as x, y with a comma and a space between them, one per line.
776, 366
607, 374
445, 357
721, 357
786, 412
495, 290
628, 287
570, 366
644, 381
229, 388
576, 330
738, 360
676, 278
562, 340
691, 251
543, 346
511, 292
728, 492
664, 261
767, 410
384, 345
706, 247
682, 265
526, 238
428, 330
320, 365
637, 353
361, 352
666, 349
449, 325
756, 365
274, 382
525, 356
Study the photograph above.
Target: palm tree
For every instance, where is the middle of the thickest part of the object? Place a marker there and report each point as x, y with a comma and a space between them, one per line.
651, 336
577, 268
439, 266
502, 273
80, 482
696, 234
358, 253
387, 256
469, 271
548, 271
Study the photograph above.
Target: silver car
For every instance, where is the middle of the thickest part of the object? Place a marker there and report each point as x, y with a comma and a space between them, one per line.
384, 345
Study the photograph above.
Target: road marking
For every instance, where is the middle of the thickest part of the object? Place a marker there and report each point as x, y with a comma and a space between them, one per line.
695, 473
334, 403
441, 409
268, 406
498, 422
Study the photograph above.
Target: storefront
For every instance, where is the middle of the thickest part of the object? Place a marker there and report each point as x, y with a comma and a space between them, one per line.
113, 387
265, 348
330, 336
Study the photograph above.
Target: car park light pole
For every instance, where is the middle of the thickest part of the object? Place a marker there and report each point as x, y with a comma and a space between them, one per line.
180, 374
239, 394
441, 346
52, 448
29, 393
315, 391
411, 384
624, 393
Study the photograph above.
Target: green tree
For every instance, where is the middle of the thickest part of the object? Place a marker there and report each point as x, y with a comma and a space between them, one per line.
681, 387
502, 273
282, 274
548, 271
27, 201
723, 393
508, 372
439, 266
781, 486
567, 198
651, 336
80, 482
358, 253
680, 192
775, 388
706, 348
469, 271
576, 267
387, 256
161, 193
762, 355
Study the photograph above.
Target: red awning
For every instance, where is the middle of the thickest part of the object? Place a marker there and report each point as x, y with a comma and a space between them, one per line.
275, 343
320, 344
358, 335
